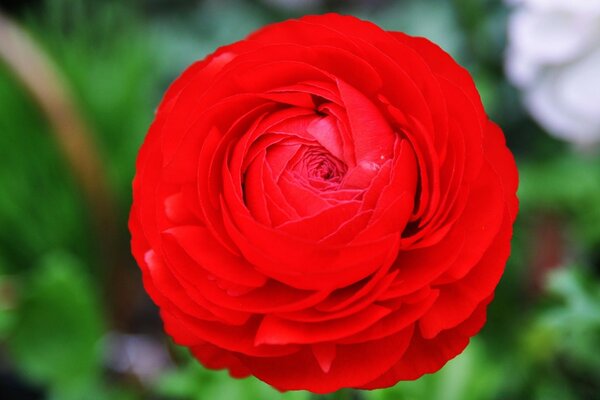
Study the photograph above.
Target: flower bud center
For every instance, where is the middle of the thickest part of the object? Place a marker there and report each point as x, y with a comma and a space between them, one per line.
319, 164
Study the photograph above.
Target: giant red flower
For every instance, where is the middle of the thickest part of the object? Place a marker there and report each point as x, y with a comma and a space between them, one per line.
323, 205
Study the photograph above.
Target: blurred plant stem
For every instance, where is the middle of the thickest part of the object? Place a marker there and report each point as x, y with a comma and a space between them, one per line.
550, 249
343, 394
49, 90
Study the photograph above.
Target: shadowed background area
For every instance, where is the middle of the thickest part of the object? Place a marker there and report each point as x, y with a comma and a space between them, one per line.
79, 82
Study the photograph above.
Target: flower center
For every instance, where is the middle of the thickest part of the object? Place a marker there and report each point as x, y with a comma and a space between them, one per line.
321, 165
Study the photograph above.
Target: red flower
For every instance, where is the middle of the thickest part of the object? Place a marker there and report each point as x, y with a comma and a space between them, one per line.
323, 205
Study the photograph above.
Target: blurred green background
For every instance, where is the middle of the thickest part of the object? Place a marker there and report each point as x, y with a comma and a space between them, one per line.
74, 320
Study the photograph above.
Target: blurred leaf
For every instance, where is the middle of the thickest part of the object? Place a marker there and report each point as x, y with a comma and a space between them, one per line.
59, 325
576, 321
40, 207
568, 184
112, 66
7, 299
557, 353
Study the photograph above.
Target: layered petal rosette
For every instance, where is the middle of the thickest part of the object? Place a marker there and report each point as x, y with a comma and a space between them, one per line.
323, 205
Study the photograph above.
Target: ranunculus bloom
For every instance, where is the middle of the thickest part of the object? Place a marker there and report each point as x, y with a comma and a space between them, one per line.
554, 57
323, 205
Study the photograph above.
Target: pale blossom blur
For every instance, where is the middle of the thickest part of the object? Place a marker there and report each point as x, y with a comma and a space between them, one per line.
553, 56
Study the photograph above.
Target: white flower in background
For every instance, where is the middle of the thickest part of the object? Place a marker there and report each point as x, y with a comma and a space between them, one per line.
553, 55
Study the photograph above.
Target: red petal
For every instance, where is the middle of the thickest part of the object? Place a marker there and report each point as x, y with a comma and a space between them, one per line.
199, 244
324, 354
354, 365
275, 330
215, 358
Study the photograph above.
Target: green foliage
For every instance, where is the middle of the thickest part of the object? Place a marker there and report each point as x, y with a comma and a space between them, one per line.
112, 67
40, 207
7, 313
568, 184
56, 336
572, 325
193, 382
